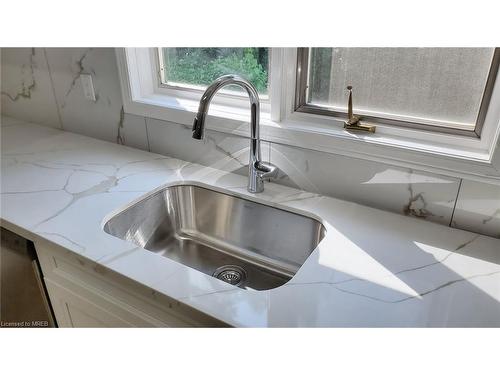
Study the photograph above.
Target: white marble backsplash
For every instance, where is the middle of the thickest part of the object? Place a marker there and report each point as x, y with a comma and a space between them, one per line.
405, 191
99, 119
26, 86
478, 208
42, 85
226, 152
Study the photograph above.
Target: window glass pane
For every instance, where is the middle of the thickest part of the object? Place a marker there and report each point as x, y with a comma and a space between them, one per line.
201, 66
439, 86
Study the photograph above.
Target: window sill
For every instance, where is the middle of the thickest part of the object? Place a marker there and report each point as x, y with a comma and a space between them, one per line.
331, 138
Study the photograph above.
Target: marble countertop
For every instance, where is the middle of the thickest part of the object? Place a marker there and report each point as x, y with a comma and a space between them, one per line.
373, 268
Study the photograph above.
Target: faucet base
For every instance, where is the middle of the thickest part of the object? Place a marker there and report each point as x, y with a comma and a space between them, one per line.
257, 172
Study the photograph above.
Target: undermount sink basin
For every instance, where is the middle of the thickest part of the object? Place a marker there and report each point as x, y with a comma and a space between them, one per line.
242, 242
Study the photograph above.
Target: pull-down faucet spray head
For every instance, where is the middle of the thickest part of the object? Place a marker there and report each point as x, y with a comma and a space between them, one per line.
215, 86
199, 126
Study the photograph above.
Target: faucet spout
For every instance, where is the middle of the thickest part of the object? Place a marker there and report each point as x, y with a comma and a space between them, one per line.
257, 169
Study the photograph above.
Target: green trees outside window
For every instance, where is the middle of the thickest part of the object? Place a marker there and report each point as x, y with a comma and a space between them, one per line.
200, 66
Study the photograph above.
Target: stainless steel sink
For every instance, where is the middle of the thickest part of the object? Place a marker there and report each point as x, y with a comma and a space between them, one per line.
242, 242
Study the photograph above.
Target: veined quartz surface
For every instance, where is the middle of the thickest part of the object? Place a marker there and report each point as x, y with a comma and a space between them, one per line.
373, 268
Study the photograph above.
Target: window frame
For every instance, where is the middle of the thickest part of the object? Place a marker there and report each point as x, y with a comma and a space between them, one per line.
224, 98
301, 104
437, 152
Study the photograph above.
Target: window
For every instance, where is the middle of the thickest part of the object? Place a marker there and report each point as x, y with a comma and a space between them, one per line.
196, 68
436, 109
444, 89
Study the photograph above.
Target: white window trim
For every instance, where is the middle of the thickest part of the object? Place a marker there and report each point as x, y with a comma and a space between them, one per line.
448, 154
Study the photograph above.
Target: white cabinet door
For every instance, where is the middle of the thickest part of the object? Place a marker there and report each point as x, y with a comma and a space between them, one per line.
74, 310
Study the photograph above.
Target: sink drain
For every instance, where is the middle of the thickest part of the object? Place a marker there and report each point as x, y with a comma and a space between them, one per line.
234, 275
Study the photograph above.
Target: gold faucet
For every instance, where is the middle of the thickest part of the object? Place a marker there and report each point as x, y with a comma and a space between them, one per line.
352, 122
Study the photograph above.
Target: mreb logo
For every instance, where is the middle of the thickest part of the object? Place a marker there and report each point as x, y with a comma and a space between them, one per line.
40, 323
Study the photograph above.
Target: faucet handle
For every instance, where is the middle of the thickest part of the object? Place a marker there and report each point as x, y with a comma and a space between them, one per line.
266, 170
258, 172
351, 119
352, 122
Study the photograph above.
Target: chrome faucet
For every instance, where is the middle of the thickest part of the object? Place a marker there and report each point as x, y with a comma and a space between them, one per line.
257, 169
